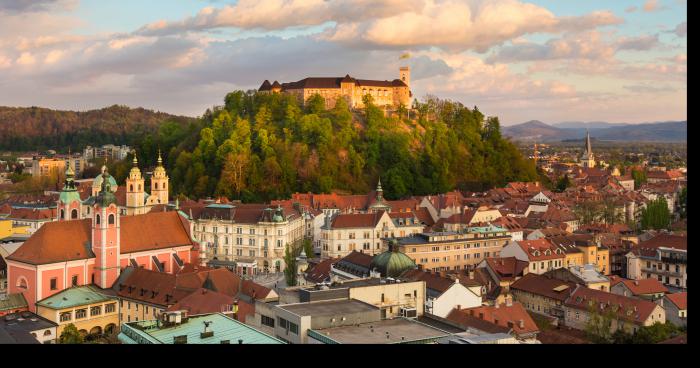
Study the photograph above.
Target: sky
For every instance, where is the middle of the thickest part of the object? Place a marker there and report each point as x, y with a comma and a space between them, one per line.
548, 60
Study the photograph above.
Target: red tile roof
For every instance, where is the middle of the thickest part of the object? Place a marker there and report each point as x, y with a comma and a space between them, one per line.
544, 286
631, 309
643, 286
666, 241
540, 249
432, 280
507, 268
679, 299
70, 240
321, 271
203, 301
514, 316
357, 220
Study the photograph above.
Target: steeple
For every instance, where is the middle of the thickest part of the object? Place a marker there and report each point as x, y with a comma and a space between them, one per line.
159, 182
160, 159
69, 199
380, 191
589, 150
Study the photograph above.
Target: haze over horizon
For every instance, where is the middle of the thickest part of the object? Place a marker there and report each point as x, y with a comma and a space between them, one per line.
552, 61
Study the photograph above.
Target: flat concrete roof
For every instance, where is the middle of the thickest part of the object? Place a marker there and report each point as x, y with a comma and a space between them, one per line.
328, 307
399, 330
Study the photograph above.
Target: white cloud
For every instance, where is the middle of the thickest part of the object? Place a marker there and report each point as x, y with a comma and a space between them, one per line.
26, 59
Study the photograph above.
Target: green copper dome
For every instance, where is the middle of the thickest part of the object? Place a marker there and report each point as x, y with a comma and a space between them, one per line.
392, 263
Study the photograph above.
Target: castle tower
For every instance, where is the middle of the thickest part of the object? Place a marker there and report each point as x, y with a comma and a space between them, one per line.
588, 160
135, 191
159, 182
405, 75
68, 206
105, 236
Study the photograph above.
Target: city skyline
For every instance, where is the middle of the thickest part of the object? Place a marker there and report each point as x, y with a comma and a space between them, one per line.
542, 60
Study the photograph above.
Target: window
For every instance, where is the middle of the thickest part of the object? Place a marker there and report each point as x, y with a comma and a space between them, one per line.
110, 308
96, 310
294, 328
74, 280
267, 321
111, 219
65, 317
80, 313
74, 214
54, 282
47, 333
97, 219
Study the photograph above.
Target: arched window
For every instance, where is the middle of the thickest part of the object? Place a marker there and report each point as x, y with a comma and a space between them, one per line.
165, 185
47, 333
156, 185
111, 219
139, 187
131, 187
74, 214
22, 283
97, 219
63, 214
88, 210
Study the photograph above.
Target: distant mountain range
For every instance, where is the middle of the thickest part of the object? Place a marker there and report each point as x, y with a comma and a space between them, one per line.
535, 130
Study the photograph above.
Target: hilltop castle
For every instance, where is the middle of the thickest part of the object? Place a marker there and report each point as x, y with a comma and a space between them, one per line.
386, 93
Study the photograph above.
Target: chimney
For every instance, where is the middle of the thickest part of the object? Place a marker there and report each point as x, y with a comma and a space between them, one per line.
521, 323
497, 305
471, 274
459, 306
636, 282
509, 302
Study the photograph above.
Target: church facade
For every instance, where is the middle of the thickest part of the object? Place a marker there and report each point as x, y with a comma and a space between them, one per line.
76, 251
388, 94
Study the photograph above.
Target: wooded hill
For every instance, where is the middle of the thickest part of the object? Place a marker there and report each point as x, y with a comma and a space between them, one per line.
258, 147
36, 128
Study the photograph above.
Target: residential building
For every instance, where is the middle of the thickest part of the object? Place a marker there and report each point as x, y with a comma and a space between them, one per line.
86, 307
502, 318
540, 254
109, 151
582, 275
676, 307
444, 293
543, 295
48, 167
448, 251
252, 237
647, 289
664, 257
345, 233
629, 313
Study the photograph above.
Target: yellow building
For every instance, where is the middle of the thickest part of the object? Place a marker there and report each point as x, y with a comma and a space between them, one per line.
85, 307
7, 229
384, 93
450, 251
45, 167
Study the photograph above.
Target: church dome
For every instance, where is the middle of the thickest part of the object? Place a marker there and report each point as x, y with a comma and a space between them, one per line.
97, 183
392, 263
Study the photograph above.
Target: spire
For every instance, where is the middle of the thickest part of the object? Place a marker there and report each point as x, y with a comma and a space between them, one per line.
160, 159
589, 150
380, 191
135, 160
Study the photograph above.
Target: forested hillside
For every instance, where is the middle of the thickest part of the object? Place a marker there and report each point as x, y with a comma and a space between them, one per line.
258, 147
35, 128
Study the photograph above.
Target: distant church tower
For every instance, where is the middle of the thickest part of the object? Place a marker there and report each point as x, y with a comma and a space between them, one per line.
159, 182
135, 191
588, 160
105, 236
68, 205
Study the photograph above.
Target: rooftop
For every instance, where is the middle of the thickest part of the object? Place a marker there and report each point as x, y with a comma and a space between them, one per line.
328, 307
388, 331
223, 327
73, 297
17, 328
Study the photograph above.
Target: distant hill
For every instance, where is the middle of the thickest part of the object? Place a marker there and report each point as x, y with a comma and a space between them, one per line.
36, 128
673, 131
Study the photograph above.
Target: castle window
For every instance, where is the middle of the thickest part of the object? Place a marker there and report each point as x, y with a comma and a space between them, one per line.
111, 219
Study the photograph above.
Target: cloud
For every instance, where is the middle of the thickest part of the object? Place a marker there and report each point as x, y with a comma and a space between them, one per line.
631, 9
282, 14
641, 43
27, 6
681, 29
650, 5
587, 45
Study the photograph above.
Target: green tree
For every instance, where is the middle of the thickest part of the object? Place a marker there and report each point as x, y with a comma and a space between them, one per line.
640, 177
563, 183
308, 248
598, 326
656, 215
683, 202
290, 268
70, 335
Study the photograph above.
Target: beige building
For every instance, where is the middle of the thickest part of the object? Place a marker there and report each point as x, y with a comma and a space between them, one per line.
364, 232
390, 94
253, 236
85, 307
448, 251
47, 167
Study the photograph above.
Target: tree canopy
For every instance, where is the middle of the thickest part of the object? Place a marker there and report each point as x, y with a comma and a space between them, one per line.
259, 147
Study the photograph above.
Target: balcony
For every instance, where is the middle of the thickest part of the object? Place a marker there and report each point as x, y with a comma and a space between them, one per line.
672, 273
674, 260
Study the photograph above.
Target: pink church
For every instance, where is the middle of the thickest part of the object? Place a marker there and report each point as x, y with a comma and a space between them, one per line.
75, 252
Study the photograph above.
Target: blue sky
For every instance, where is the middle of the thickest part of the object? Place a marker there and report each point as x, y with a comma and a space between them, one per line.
565, 60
